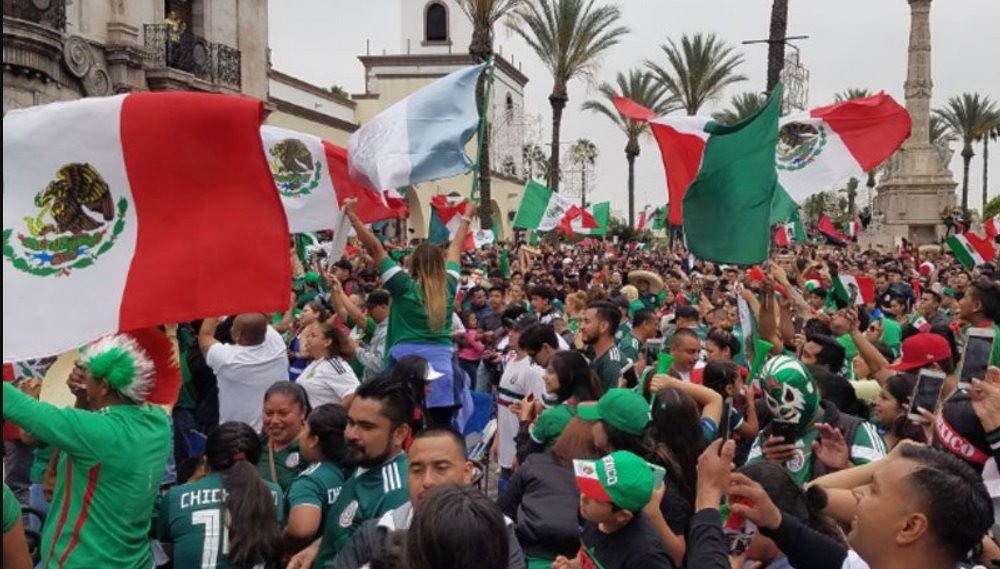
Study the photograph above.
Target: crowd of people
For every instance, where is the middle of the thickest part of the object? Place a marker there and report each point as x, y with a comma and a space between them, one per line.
652, 410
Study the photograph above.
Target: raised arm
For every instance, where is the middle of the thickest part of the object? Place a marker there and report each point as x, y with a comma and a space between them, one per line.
877, 363
365, 235
458, 243
206, 334
77, 432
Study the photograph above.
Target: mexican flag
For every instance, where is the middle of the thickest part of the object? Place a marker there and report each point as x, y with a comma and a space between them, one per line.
660, 218
105, 232
446, 215
792, 231
541, 209
992, 226
854, 228
827, 145
479, 238
593, 220
858, 287
920, 323
729, 182
645, 218
970, 249
827, 228
311, 177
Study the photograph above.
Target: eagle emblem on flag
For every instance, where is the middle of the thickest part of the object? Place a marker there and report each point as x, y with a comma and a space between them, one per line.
295, 171
77, 221
799, 144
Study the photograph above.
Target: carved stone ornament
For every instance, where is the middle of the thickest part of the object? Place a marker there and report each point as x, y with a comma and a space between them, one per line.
79, 58
97, 83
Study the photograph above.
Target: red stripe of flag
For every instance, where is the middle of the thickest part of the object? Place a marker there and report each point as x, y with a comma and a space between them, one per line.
370, 205
871, 128
682, 154
88, 496
212, 236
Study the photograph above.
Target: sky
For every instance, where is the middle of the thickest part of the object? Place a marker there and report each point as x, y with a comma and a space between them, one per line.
852, 43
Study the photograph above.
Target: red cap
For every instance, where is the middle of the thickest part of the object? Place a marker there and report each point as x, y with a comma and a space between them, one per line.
920, 350
756, 273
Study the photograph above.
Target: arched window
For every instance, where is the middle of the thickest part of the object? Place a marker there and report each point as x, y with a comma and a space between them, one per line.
436, 23
509, 104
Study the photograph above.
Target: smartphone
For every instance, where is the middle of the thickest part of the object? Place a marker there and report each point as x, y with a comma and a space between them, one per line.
725, 423
787, 431
629, 375
798, 324
926, 394
976, 356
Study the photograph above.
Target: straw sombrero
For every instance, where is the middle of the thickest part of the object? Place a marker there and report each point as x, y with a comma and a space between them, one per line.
654, 280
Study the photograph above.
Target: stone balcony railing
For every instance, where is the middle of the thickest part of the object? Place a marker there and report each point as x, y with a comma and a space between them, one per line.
213, 63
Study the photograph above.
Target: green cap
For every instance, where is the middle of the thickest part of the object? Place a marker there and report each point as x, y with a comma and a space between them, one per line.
621, 478
623, 409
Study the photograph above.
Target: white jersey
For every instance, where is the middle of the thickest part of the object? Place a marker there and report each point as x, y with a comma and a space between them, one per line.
520, 377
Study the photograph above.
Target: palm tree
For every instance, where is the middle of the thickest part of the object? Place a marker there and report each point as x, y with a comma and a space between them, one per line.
851, 191
568, 36
940, 133
698, 70
641, 87
968, 118
743, 106
583, 153
483, 14
992, 133
851, 94
776, 43
536, 163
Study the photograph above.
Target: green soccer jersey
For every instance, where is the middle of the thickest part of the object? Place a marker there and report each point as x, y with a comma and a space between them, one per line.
866, 446
11, 509
317, 487
629, 346
288, 463
892, 334
366, 495
550, 424
191, 518
107, 481
39, 462
608, 367
850, 352
408, 311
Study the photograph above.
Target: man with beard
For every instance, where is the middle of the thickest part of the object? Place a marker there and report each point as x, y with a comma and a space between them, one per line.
597, 328
377, 426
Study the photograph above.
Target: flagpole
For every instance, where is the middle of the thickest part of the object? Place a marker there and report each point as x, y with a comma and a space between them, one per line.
474, 192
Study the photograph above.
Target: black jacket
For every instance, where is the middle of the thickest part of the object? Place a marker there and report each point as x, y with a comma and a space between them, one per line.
542, 498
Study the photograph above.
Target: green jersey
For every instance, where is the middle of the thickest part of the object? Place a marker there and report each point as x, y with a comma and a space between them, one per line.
191, 518
850, 352
107, 481
892, 334
39, 462
649, 300
408, 311
317, 487
608, 367
288, 463
866, 447
366, 495
629, 346
550, 424
11, 509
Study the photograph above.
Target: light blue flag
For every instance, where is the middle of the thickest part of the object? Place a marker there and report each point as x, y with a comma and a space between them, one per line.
420, 138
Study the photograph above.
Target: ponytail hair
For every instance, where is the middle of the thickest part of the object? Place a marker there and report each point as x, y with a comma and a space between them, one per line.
327, 423
249, 515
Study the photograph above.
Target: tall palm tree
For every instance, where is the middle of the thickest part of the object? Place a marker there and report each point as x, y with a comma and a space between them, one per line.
940, 133
992, 133
776, 43
968, 117
642, 88
568, 36
851, 94
584, 154
742, 106
697, 70
484, 14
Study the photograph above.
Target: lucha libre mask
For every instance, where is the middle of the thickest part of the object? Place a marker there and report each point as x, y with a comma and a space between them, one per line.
790, 390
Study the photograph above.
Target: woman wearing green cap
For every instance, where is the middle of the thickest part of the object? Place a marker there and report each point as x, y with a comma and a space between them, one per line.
112, 460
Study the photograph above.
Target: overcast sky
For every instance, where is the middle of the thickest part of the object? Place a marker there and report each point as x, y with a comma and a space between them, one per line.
852, 43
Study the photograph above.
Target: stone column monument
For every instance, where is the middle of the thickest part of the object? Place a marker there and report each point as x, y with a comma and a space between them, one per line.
917, 188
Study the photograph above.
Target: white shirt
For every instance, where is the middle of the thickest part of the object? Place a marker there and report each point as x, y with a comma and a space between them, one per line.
244, 373
328, 381
520, 377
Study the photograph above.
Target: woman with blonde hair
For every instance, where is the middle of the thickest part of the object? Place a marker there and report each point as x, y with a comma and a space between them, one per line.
576, 302
423, 301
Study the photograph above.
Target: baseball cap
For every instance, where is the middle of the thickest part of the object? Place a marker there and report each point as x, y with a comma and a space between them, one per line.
522, 322
921, 349
623, 409
620, 478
